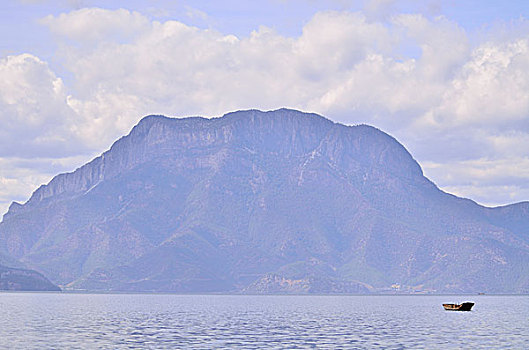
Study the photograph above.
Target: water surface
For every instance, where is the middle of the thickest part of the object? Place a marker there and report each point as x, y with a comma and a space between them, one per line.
80, 321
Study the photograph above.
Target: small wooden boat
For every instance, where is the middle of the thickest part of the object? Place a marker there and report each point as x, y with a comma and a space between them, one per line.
458, 307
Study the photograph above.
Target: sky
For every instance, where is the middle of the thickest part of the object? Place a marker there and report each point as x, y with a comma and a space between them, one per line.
448, 79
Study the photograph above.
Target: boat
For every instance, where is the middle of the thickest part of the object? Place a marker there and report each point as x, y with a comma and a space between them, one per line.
459, 307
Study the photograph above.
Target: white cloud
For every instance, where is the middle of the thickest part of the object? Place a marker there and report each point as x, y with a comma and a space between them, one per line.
450, 101
492, 88
443, 43
39, 130
35, 118
93, 25
176, 69
487, 181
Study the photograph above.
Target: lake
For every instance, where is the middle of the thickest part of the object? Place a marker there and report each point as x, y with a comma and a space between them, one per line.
80, 321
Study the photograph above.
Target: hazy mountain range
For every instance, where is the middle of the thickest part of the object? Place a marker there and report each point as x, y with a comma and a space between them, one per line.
263, 202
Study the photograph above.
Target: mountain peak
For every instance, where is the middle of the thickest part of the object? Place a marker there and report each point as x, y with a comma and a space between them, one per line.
262, 199
284, 130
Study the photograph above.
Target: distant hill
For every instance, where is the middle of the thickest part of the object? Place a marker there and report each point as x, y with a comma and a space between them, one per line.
14, 279
264, 202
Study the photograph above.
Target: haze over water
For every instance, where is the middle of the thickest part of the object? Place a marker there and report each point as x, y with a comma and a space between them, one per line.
54, 320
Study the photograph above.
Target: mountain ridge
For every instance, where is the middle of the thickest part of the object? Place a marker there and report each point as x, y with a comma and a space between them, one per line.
252, 199
93, 171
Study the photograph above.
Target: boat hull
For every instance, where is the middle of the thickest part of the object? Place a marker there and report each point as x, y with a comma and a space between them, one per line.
459, 307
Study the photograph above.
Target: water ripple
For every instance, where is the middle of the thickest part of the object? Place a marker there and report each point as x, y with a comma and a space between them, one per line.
126, 321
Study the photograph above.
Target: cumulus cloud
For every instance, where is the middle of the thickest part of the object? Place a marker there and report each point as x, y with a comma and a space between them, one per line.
36, 120
493, 181
91, 25
176, 69
491, 88
455, 104
39, 130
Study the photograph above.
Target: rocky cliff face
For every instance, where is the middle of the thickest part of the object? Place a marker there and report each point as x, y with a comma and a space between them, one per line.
253, 200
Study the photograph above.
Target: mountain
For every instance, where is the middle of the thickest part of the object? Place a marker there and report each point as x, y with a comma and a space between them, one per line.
15, 279
263, 202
